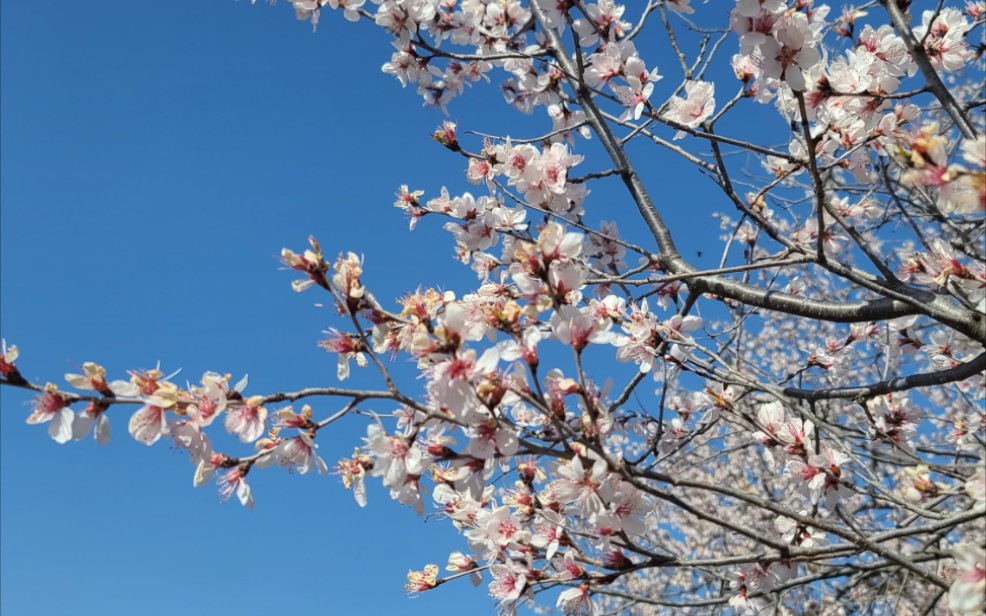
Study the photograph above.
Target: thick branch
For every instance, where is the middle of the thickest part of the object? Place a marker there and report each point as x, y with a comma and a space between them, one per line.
923, 379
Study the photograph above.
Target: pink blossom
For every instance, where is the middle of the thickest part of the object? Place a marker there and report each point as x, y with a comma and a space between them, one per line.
696, 107
580, 486
52, 408
352, 472
460, 563
576, 601
509, 582
148, 424
967, 594
420, 581
234, 482
310, 263
84, 421
298, 454
246, 420
945, 43
634, 97
578, 328
394, 458
8, 355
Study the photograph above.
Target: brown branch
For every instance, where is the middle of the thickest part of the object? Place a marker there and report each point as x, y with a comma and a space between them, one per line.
923, 379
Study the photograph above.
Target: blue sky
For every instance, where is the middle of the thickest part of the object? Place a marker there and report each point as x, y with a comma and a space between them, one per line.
154, 161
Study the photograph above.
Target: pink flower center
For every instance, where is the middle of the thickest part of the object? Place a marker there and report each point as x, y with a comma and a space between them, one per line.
506, 529
808, 472
459, 369
977, 574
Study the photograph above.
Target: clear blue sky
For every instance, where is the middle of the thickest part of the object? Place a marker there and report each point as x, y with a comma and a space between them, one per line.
155, 158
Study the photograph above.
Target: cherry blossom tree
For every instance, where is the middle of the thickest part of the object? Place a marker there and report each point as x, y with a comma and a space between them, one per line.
609, 427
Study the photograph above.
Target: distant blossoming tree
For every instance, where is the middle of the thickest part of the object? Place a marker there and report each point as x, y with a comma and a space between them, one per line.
815, 438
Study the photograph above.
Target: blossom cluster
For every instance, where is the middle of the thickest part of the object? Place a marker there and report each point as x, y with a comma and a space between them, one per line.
809, 409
